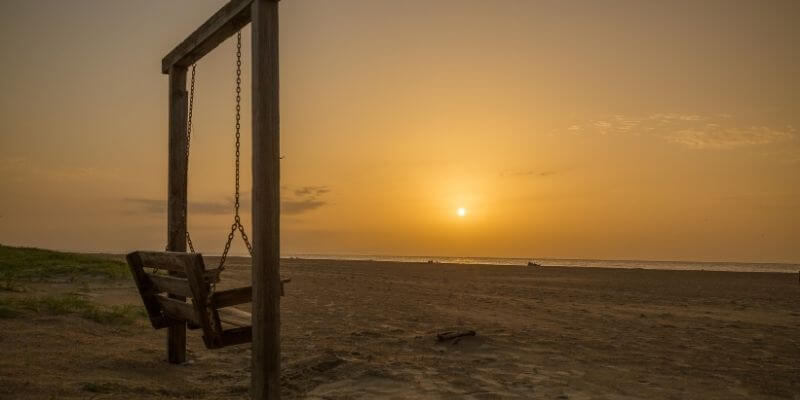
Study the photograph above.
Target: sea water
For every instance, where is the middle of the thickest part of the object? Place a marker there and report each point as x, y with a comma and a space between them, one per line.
565, 262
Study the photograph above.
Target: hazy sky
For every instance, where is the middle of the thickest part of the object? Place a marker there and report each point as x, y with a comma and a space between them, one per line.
578, 129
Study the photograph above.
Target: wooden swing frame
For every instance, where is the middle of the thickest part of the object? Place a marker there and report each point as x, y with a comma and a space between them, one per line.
209, 310
232, 17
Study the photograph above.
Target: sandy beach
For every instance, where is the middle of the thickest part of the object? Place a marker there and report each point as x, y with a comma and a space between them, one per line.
363, 330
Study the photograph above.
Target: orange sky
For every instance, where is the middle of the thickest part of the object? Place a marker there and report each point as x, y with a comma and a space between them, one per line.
574, 129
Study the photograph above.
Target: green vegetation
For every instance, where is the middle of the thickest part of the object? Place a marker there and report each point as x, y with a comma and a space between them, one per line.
6, 311
19, 264
70, 304
9, 285
37, 264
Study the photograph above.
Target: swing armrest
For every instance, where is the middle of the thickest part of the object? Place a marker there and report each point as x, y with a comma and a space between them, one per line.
242, 295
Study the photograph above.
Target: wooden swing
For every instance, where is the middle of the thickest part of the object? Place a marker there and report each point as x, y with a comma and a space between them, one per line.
209, 310
164, 295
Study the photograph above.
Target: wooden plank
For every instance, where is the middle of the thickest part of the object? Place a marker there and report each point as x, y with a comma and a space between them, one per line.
167, 260
232, 297
235, 317
176, 198
266, 349
146, 291
232, 337
178, 310
228, 20
170, 284
200, 294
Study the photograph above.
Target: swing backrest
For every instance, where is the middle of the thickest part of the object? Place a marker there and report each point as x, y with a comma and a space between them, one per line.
164, 296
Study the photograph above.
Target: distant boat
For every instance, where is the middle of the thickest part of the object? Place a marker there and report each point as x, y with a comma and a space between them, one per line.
533, 264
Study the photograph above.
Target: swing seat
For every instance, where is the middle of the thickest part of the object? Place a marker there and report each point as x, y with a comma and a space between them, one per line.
164, 297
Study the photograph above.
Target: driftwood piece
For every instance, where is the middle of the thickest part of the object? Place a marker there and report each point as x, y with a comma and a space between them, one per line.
450, 335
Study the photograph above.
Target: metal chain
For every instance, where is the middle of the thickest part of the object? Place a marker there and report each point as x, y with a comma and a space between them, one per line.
237, 221
188, 142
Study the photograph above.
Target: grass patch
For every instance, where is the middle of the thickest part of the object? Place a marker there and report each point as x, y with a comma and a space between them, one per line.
70, 304
8, 312
9, 285
38, 264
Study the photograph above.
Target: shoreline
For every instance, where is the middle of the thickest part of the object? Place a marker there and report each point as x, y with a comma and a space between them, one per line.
655, 265
787, 270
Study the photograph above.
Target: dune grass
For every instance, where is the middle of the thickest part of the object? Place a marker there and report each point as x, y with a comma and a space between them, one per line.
12, 307
24, 263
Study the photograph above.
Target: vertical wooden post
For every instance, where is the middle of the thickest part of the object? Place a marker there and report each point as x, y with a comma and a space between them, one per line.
176, 194
266, 350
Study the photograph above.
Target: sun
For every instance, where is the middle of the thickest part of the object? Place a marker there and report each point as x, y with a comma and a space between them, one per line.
461, 212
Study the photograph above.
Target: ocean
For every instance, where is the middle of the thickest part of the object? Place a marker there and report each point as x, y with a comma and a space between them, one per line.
565, 262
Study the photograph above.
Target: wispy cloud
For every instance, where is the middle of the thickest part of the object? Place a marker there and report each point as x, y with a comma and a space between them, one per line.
300, 200
294, 207
719, 131
146, 206
311, 190
158, 207
716, 137
305, 199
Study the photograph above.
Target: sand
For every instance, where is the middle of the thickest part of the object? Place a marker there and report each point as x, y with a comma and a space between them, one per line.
363, 330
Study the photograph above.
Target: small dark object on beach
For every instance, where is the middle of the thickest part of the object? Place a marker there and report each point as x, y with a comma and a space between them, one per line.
449, 335
533, 264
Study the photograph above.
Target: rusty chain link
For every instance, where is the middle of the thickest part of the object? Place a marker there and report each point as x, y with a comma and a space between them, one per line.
237, 221
188, 142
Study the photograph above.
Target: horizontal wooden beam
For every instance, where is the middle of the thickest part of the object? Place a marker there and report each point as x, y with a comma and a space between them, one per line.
170, 284
232, 297
228, 20
178, 310
171, 261
235, 317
